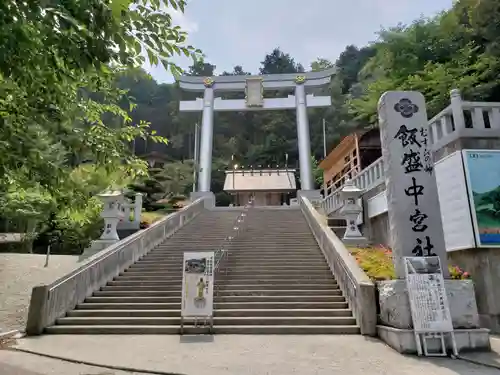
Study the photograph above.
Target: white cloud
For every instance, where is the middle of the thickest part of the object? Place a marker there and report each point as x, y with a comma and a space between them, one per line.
235, 32
180, 19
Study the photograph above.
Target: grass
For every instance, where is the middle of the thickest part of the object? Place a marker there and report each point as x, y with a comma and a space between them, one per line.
377, 263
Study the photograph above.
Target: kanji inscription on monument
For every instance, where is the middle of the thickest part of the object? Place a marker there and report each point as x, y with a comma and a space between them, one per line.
415, 223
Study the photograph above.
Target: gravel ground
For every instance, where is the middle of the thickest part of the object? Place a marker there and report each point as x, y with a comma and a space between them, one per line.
19, 273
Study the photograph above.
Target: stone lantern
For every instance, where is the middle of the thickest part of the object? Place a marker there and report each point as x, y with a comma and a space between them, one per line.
112, 212
350, 194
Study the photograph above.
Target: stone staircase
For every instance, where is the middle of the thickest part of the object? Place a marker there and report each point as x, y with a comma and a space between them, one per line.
275, 281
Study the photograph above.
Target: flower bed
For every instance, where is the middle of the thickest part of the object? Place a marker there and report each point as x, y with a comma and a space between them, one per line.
377, 263
148, 218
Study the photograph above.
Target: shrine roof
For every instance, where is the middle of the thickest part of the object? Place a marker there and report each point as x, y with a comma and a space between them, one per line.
260, 180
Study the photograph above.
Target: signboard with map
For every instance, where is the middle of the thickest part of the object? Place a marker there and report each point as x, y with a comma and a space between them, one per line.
482, 171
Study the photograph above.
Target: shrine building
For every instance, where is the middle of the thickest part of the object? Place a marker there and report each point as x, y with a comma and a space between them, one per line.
269, 187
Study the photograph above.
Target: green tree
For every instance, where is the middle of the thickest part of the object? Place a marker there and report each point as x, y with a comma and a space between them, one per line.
58, 65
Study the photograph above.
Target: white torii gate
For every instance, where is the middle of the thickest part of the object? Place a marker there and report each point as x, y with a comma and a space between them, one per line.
254, 87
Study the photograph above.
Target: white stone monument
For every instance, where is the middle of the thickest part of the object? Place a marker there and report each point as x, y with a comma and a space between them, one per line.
412, 197
415, 224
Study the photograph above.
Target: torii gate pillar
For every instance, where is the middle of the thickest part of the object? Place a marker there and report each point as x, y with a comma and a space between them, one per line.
254, 87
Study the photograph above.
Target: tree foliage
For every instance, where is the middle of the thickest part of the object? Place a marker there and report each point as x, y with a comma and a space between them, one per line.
71, 92
60, 105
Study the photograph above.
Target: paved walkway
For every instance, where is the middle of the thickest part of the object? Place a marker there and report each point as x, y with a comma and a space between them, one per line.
19, 273
17, 363
247, 355
490, 359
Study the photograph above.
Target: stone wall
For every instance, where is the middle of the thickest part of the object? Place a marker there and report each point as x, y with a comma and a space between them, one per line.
484, 267
482, 264
379, 230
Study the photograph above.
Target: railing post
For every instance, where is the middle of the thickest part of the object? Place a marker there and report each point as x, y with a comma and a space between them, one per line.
457, 109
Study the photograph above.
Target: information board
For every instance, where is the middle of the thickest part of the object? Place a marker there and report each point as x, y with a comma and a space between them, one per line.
482, 171
428, 302
198, 284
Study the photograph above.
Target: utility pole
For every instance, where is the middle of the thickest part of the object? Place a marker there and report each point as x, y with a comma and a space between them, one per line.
196, 156
325, 185
324, 138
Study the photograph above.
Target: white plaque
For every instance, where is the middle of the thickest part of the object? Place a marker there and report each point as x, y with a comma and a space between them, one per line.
454, 203
254, 92
428, 302
412, 197
198, 284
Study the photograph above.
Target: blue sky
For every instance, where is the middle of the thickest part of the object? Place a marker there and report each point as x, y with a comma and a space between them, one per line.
238, 32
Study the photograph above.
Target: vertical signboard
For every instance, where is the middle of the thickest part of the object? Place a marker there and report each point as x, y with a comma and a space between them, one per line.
482, 171
429, 307
198, 284
428, 302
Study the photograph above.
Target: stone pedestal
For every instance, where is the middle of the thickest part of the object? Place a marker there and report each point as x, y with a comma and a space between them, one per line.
97, 246
312, 195
395, 304
396, 327
208, 195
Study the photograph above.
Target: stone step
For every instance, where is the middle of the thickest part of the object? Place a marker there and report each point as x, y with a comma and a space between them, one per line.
165, 278
284, 286
218, 313
220, 292
221, 287
236, 270
223, 278
219, 299
145, 283
235, 257
298, 277
225, 321
233, 260
278, 292
253, 252
174, 330
278, 269
231, 263
308, 279
217, 306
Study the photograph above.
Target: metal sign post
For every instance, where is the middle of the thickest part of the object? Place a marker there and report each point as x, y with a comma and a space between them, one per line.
198, 288
429, 306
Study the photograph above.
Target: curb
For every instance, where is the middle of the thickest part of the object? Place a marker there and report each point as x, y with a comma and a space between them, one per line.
9, 338
12, 334
88, 363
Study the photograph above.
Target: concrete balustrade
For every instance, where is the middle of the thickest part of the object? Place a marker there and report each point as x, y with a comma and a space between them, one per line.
356, 286
50, 302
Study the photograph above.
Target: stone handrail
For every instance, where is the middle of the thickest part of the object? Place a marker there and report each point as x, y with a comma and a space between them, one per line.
356, 286
50, 302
